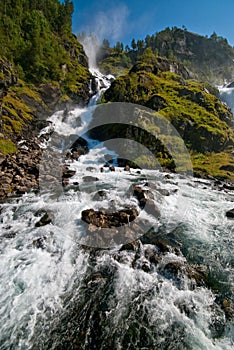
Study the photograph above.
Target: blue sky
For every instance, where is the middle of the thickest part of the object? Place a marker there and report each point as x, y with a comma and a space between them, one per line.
123, 20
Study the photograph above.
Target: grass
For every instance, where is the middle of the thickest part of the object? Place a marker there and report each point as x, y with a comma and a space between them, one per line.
7, 147
212, 164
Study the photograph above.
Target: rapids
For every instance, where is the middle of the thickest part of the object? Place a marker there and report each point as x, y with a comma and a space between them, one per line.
171, 289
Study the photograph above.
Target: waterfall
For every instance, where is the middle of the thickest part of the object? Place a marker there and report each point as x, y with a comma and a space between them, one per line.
172, 288
227, 95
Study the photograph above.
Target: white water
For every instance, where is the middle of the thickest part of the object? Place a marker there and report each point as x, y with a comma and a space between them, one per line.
227, 96
35, 280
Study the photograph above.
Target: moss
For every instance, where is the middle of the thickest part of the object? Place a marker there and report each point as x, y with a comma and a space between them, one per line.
14, 105
214, 164
7, 147
23, 89
15, 126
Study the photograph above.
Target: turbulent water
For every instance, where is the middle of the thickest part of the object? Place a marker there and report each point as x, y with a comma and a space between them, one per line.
171, 289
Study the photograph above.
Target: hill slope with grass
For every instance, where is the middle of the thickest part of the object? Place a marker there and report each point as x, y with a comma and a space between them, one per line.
193, 108
209, 59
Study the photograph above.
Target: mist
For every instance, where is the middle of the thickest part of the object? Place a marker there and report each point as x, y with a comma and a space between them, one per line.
110, 24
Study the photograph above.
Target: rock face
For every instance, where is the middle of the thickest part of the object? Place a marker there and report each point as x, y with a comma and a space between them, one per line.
8, 77
211, 59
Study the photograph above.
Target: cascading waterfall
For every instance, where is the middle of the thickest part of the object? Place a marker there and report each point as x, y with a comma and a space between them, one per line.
227, 95
172, 289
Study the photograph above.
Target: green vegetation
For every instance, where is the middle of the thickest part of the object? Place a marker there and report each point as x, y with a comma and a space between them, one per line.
7, 147
41, 63
193, 108
208, 59
37, 37
219, 165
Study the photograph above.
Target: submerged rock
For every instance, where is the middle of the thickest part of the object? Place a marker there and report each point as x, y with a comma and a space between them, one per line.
89, 178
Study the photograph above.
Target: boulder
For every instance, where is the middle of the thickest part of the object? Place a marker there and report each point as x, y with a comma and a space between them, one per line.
67, 173
39, 242
46, 218
106, 219
230, 213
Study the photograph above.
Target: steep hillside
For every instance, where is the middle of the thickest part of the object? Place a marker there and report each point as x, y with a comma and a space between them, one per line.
208, 59
193, 108
42, 65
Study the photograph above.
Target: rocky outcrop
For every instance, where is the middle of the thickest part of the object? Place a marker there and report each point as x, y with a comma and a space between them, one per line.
8, 77
105, 219
19, 172
211, 59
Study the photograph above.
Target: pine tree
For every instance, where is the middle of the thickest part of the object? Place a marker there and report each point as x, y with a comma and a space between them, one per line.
133, 44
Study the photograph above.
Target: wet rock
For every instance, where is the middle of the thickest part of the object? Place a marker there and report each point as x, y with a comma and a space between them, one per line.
139, 193
127, 168
131, 246
112, 168
67, 173
100, 195
152, 209
105, 219
163, 191
230, 213
91, 169
40, 242
147, 204
152, 254
231, 85
163, 247
228, 186
47, 217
